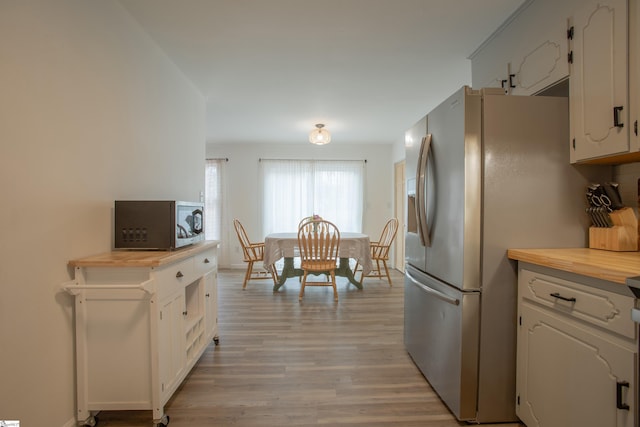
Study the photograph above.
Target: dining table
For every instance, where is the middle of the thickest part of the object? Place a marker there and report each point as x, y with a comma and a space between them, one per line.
285, 245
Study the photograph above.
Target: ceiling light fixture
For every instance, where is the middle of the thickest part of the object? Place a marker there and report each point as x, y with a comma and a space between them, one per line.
320, 136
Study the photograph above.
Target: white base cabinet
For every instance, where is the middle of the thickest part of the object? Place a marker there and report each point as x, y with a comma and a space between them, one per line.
142, 320
577, 354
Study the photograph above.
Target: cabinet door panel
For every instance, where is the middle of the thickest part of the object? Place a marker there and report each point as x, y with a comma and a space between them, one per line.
211, 304
171, 343
568, 376
544, 65
599, 80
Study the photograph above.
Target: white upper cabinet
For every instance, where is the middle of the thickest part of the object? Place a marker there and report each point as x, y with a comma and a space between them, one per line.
526, 55
599, 99
592, 44
544, 64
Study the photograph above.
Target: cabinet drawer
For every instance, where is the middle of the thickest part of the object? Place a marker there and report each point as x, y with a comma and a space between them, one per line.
205, 261
595, 306
174, 276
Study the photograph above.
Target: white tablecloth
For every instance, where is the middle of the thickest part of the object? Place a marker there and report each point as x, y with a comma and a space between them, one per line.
352, 245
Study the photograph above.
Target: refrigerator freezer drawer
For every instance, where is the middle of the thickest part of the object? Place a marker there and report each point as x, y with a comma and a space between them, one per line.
441, 333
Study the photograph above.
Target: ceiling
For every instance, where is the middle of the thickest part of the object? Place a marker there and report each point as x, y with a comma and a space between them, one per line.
367, 69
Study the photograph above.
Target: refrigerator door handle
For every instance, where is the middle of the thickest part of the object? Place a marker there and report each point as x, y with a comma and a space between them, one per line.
421, 182
434, 292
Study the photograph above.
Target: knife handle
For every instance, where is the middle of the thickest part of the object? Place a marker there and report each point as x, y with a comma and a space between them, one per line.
613, 193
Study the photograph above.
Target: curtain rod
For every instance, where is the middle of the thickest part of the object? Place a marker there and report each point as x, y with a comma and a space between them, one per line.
226, 159
318, 160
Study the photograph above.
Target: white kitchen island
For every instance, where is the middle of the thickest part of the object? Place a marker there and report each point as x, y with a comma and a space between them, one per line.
142, 320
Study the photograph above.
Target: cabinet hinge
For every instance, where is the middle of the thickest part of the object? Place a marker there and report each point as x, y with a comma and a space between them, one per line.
570, 33
635, 127
518, 400
574, 143
570, 57
520, 320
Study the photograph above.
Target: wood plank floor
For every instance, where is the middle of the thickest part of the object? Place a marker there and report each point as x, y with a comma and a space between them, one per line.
281, 362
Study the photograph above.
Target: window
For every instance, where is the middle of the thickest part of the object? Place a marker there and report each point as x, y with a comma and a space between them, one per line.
213, 199
294, 189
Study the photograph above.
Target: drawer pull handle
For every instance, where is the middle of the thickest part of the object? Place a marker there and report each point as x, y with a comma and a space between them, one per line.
557, 295
206, 261
184, 313
179, 274
207, 295
619, 403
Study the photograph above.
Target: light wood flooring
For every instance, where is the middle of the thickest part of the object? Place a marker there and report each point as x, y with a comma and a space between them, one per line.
281, 362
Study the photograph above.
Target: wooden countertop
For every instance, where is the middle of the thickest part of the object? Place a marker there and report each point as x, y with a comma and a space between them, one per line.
135, 258
601, 264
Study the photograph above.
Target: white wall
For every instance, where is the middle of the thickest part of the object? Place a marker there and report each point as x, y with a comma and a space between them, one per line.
90, 111
398, 150
243, 183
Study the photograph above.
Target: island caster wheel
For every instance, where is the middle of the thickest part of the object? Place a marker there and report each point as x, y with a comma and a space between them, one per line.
164, 421
216, 340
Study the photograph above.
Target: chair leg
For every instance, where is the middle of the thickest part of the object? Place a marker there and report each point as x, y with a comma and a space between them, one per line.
274, 274
302, 284
371, 273
355, 271
335, 288
247, 275
387, 271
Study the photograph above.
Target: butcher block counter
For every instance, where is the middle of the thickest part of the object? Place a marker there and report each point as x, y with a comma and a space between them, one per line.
600, 264
134, 258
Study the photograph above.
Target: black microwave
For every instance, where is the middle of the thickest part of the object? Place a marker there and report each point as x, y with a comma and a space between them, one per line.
157, 224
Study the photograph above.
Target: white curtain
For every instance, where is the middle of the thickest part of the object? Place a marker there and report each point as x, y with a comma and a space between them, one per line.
294, 189
214, 198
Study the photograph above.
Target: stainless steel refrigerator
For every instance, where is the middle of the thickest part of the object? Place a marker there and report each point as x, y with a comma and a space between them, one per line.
485, 172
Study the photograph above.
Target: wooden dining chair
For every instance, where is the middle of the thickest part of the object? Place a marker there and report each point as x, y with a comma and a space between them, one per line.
253, 252
296, 251
380, 252
318, 242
